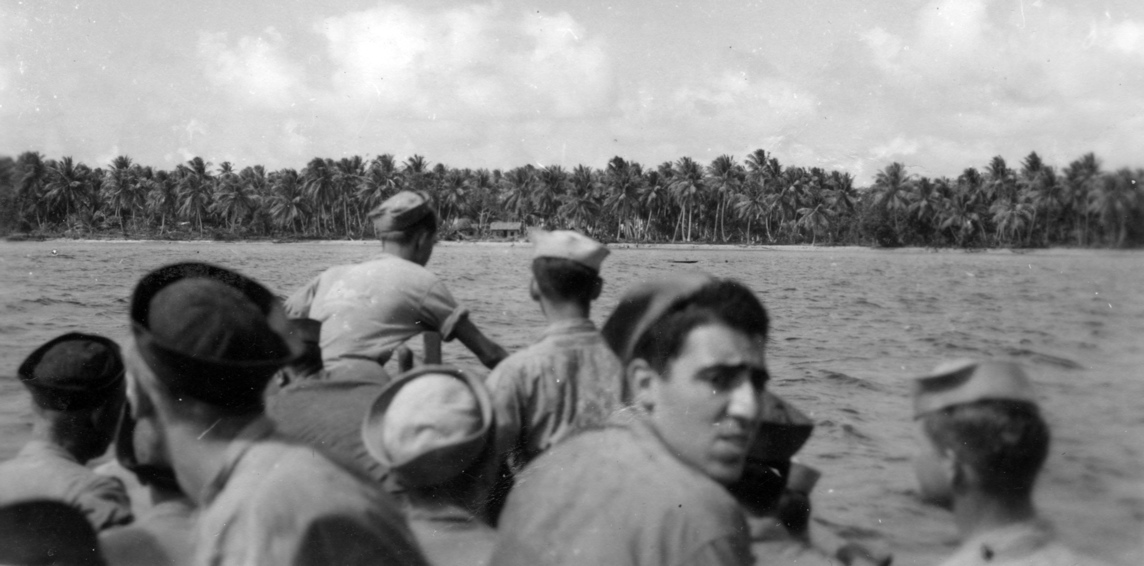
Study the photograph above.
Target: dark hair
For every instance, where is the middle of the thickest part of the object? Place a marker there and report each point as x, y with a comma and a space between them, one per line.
1005, 442
719, 302
564, 280
427, 223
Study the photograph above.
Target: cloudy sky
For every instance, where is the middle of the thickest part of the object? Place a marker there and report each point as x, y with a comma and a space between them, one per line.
938, 85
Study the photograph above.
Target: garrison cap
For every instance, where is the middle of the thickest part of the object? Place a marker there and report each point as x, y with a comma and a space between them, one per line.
570, 245
643, 305
429, 425
73, 371
966, 381
211, 333
400, 211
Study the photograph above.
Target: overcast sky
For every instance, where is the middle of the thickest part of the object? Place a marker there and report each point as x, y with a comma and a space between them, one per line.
839, 84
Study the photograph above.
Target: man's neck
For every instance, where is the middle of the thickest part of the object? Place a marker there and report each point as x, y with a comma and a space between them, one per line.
559, 311
402, 251
198, 453
44, 431
976, 513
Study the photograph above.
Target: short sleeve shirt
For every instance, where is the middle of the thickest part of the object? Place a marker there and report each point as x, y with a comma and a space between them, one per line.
369, 309
276, 502
568, 380
617, 496
1030, 543
42, 470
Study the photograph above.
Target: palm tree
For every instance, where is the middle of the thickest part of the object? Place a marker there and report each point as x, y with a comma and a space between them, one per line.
119, 188
380, 182
687, 186
162, 199
551, 184
289, 205
194, 190
318, 184
893, 186
725, 177
68, 190
518, 185
1011, 218
235, 200
817, 219
1081, 178
623, 180
1118, 199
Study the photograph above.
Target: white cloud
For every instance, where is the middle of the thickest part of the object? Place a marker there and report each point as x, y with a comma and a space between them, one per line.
473, 62
256, 69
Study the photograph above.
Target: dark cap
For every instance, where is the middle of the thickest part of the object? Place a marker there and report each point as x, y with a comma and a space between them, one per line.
41, 531
643, 305
307, 330
399, 212
74, 371
211, 333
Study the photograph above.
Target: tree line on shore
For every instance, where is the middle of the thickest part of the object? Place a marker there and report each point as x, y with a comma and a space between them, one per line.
758, 201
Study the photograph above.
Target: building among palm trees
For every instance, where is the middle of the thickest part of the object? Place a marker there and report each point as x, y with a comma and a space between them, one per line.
507, 230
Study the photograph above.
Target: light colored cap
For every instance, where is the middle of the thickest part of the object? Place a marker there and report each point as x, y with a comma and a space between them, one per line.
566, 244
429, 425
966, 381
399, 212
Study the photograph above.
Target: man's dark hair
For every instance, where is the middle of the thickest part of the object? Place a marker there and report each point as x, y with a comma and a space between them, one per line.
427, 223
1005, 442
564, 280
721, 302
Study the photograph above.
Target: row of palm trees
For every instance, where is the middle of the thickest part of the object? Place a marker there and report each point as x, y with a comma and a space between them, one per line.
725, 201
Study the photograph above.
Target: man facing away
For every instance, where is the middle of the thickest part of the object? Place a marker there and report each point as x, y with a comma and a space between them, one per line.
570, 378
983, 442
77, 387
648, 488
208, 341
369, 309
432, 429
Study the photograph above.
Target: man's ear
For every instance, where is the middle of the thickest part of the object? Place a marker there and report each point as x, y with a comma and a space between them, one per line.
597, 286
138, 399
534, 290
643, 381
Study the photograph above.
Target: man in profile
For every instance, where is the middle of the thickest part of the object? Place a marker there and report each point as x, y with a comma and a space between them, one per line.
77, 387
982, 444
207, 342
649, 488
369, 309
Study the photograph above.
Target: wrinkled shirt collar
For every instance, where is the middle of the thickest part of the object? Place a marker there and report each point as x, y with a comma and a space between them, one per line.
565, 327
257, 430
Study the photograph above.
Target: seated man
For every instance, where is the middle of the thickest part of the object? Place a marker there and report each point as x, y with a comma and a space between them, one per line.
570, 378
207, 342
983, 442
432, 428
77, 387
369, 309
650, 487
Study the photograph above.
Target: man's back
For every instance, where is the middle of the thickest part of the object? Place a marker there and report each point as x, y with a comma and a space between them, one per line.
568, 380
617, 496
369, 309
1029, 543
42, 470
277, 502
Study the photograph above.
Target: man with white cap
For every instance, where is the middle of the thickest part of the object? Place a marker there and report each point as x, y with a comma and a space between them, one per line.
206, 343
570, 378
369, 309
650, 487
983, 442
432, 429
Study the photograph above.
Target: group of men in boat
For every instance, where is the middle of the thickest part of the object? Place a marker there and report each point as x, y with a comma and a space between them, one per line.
248, 430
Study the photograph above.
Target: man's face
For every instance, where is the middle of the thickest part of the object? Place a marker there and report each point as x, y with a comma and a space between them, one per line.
933, 470
706, 406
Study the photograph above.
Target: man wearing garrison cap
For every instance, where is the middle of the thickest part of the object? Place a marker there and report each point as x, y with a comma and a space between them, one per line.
432, 429
650, 486
570, 378
77, 387
982, 443
369, 309
207, 341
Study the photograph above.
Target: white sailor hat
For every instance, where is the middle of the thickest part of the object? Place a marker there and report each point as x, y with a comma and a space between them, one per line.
566, 244
964, 381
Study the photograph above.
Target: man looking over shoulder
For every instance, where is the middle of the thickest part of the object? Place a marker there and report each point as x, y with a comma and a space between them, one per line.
649, 488
207, 341
77, 386
369, 309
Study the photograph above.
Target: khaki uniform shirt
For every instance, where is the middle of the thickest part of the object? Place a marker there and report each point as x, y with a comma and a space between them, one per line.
568, 380
42, 470
276, 502
617, 496
369, 309
1032, 543
162, 536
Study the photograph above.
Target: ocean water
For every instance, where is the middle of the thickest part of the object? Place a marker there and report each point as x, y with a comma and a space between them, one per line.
849, 328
